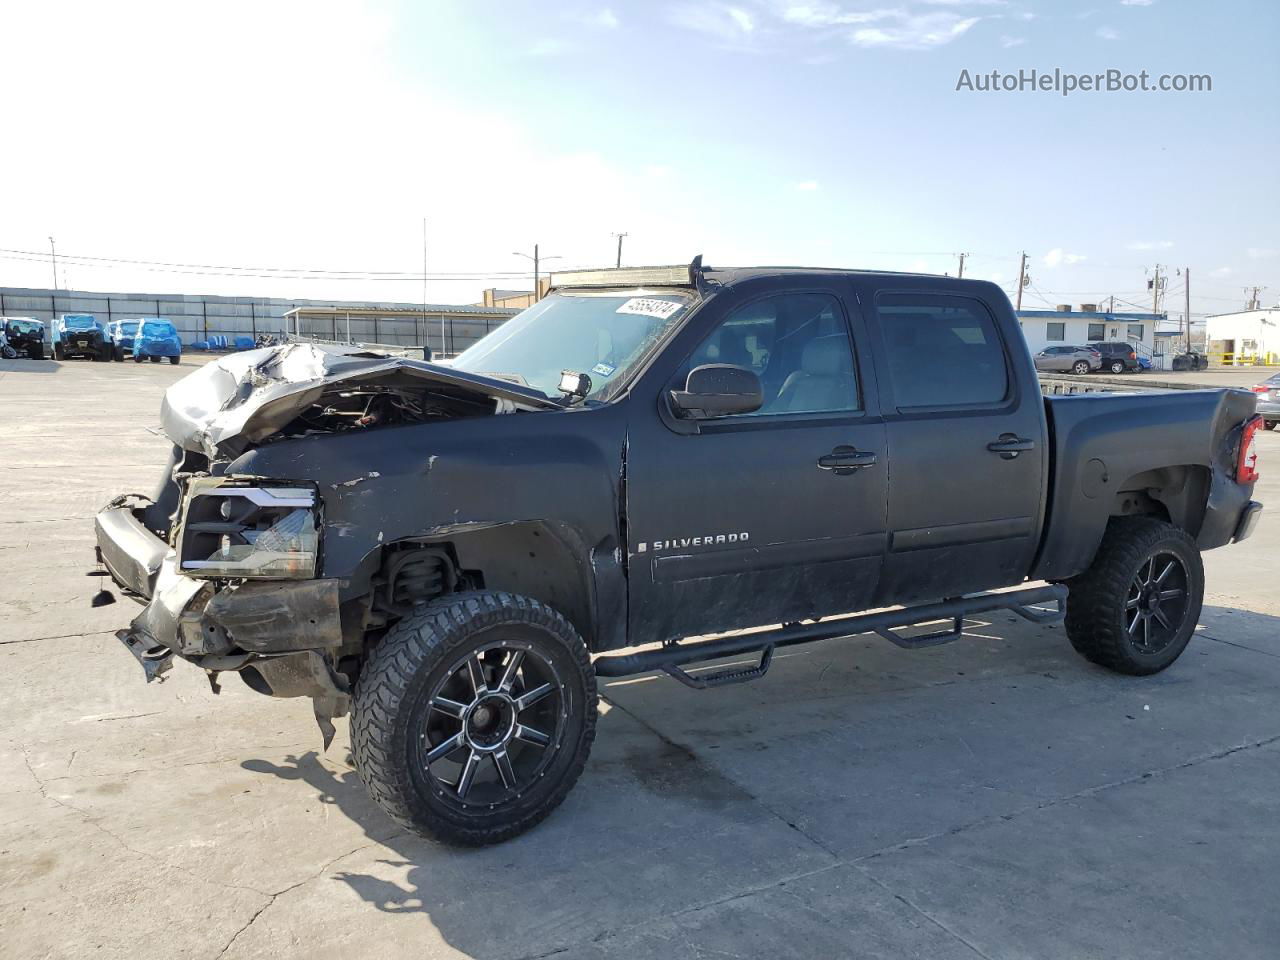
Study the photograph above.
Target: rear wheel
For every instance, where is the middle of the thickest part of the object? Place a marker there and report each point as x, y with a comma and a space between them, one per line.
175, 360
137, 358
36, 352
1117, 366
1080, 366
1135, 608
58, 353
472, 720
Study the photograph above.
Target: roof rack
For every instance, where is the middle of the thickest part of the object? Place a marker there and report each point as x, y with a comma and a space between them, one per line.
679, 275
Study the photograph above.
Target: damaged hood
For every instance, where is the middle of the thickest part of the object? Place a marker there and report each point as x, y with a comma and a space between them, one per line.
241, 399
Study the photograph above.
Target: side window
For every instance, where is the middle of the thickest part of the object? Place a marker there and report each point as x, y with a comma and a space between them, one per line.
797, 344
943, 351
1055, 330
1097, 331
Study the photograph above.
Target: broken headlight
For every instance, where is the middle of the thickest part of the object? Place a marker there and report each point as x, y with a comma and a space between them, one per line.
236, 529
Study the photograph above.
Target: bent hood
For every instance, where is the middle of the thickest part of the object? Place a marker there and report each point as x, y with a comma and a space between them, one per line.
241, 399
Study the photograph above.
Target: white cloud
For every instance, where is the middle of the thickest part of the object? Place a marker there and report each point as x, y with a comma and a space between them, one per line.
1108, 33
806, 186
604, 17
922, 32
722, 21
1010, 42
831, 15
1262, 253
1058, 257
1150, 245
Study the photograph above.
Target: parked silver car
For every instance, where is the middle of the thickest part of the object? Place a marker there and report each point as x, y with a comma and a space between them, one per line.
1268, 394
1068, 360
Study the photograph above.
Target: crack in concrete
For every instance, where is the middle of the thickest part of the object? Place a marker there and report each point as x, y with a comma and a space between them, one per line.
1232, 643
90, 820
316, 875
61, 636
858, 862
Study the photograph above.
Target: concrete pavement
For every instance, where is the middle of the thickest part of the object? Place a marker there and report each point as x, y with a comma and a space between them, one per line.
995, 798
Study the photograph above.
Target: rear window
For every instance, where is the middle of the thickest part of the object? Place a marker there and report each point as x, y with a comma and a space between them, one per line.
942, 351
157, 328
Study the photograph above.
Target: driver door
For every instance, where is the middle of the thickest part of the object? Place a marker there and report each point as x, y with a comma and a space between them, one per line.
749, 520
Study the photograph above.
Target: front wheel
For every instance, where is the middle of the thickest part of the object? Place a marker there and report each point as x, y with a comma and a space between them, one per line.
473, 719
1135, 608
1080, 366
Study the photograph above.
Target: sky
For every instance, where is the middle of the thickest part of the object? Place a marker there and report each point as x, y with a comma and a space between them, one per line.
244, 148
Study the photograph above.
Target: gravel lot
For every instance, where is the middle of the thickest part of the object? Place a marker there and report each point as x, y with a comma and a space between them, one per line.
994, 798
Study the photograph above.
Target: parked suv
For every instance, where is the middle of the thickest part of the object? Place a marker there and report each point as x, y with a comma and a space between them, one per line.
1117, 357
121, 333
156, 338
24, 335
1068, 360
79, 335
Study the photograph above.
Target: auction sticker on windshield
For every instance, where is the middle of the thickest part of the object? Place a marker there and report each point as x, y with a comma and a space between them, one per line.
650, 307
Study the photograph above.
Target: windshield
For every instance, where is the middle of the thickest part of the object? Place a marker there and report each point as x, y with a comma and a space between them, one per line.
25, 326
80, 321
602, 333
157, 328
128, 328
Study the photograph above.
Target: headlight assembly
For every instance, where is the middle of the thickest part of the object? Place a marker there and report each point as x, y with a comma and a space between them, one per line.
232, 528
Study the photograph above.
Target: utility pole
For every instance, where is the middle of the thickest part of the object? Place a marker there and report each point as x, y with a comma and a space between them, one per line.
960, 274
425, 333
537, 268
53, 256
620, 236
1253, 297
1023, 279
1186, 309
1155, 291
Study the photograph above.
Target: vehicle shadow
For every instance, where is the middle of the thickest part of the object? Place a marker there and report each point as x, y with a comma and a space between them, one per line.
23, 365
656, 826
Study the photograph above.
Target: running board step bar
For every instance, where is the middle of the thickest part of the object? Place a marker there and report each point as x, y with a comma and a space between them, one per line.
673, 656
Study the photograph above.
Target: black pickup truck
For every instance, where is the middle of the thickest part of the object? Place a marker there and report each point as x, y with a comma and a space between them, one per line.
645, 456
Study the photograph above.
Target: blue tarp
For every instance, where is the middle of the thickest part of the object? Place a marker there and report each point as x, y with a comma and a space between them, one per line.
156, 337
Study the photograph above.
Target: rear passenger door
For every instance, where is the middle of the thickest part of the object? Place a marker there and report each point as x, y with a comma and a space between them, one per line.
966, 446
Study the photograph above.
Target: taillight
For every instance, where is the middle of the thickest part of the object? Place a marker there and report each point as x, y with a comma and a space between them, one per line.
1262, 388
1247, 465
1132, 355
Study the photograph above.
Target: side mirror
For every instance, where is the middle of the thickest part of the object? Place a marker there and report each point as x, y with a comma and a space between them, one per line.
717, 390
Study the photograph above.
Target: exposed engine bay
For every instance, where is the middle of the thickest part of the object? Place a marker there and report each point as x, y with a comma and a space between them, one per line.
299, 388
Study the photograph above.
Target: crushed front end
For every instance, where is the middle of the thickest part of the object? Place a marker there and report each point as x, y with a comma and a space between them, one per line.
232, 588
230, 566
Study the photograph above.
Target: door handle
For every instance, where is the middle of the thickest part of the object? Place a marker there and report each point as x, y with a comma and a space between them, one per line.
1010, 445
844, 460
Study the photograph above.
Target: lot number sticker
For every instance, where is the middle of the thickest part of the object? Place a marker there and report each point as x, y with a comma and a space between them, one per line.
650, 307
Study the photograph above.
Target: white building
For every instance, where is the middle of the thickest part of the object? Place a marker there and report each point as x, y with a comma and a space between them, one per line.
1250, 336
1068, 327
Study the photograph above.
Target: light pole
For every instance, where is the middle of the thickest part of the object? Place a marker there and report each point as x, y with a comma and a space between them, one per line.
620, 236
53, 256
537, 261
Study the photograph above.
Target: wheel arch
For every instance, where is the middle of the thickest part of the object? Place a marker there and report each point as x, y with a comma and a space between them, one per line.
542, 560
